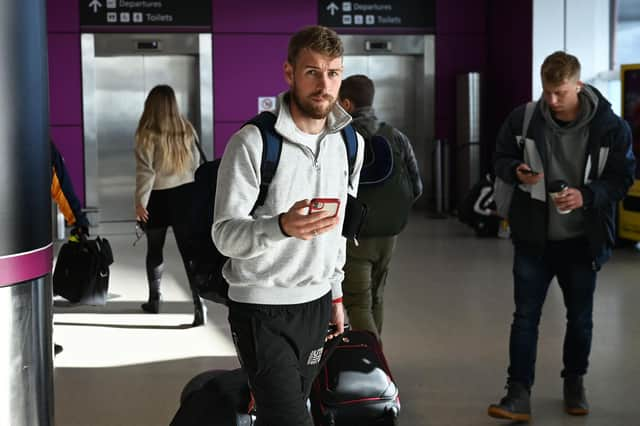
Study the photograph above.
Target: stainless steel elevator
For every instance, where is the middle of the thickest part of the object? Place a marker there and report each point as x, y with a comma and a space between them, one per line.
118, 71
402, 68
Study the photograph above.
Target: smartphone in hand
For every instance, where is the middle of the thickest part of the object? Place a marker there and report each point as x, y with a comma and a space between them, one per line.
529, 172
331, 205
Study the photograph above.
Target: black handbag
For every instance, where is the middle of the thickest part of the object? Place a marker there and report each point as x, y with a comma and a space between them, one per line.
81, 274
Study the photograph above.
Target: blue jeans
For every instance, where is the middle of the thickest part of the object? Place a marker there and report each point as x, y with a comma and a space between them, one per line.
570, 262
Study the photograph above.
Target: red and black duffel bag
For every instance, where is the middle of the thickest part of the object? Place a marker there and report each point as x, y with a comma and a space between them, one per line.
355, 386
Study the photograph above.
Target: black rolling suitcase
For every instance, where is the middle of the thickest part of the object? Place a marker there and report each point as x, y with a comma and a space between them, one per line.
81, 274
216, 398
355, 386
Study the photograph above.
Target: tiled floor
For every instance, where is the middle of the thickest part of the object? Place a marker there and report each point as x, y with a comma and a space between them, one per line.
448, 311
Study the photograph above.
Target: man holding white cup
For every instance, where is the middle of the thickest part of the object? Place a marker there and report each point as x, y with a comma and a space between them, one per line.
558, 191
569, 158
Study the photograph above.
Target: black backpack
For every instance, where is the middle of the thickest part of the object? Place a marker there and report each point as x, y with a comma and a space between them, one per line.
478, 208
206, 260
385, 186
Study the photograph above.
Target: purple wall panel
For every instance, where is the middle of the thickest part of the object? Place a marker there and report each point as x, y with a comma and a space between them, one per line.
510, 41
223, 132
63, 16
68, 140
245, 67
455, 54
493, 37
259, 16
65, 81
461, 16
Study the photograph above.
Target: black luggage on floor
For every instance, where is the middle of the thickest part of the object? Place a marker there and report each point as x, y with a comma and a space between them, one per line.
215, 398
81, 274
355, 386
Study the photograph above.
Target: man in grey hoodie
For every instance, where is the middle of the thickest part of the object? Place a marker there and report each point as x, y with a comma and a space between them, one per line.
285, 264
573, 136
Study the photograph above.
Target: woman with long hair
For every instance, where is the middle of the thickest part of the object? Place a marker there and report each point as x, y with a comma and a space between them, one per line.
166, 159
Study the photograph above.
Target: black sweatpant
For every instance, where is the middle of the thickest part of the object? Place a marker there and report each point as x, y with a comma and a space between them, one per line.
279, 347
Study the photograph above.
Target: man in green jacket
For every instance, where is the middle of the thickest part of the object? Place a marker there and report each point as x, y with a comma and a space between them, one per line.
388, 199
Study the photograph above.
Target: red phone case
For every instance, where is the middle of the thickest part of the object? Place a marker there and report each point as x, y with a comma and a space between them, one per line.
320, 204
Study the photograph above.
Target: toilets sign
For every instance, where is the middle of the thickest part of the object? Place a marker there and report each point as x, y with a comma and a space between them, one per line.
144, 13
376, 14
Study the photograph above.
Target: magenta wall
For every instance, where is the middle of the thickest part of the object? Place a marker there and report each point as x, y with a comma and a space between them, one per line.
240, 78
249, 48
65, 87
510, 58
461, 46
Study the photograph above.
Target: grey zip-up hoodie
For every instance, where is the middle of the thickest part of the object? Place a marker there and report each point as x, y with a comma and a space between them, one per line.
265, 266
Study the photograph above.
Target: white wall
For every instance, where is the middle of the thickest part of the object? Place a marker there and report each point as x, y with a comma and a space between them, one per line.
579, 27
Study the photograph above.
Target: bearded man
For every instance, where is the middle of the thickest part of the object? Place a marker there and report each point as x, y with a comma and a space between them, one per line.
285, 265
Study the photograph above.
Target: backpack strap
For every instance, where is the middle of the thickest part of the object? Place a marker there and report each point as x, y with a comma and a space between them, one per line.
351, 144
528, 114
271, 150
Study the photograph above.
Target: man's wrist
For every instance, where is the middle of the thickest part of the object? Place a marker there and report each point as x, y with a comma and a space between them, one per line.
281, 227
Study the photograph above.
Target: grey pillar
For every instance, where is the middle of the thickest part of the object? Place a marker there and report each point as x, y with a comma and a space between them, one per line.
468, 104
26, 385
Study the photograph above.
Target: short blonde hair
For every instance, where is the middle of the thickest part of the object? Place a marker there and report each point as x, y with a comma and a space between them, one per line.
317, 38
559, 67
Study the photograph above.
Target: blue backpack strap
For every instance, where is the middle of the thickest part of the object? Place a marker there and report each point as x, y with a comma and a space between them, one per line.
351, 144
271, 150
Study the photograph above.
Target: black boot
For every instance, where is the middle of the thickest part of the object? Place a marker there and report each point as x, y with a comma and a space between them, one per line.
199, 312
575, 398
152, 306
154, 275
515, 405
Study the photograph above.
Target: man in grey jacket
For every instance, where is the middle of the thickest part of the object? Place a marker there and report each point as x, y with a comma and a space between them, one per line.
573, 136
285, 265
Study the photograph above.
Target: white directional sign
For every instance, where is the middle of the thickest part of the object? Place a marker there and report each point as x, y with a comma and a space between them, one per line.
145, 13
95, 5
377, 13
332, 8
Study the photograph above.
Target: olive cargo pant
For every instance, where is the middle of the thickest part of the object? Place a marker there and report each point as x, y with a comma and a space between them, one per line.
365, 276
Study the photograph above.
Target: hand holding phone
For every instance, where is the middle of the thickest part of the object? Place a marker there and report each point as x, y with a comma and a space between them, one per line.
529, 172
330, 205
303, 220
526, 175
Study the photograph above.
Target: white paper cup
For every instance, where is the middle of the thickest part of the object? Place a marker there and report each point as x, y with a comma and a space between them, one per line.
555, 195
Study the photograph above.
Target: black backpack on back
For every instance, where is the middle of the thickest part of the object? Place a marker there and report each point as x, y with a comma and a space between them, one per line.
385, 186
206, 260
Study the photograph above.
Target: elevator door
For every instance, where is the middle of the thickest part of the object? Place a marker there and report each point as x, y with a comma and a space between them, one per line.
395, 101
122, 84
